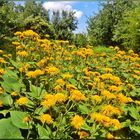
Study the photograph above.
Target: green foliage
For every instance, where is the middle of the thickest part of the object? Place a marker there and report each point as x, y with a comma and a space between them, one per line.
127, 31
101, 26
80, 40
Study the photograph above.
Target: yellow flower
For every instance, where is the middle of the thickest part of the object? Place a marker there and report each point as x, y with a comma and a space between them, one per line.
2, 60
108, 95
77, 95
97, 98
109, 136
30, 33
70, 87
124, 99
137, 102
83, 134
60, 82
1, 90
115, 88
77, 121
35, 73
2, 71
22, 53
1, 51
1, 103
58, 88
115, 123
52, 70
22, 101
67, 76
49, 101
109, 110
14, 94
108, 70
60, 97
46, 118
26, 119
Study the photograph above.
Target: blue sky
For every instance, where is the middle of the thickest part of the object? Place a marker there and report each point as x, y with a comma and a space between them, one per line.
83, 9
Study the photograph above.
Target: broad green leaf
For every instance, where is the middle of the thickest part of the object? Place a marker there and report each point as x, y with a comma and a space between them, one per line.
6, 99
43, 133
83, 109
36, 92
8, 130
17, 119
15, 64
73, 81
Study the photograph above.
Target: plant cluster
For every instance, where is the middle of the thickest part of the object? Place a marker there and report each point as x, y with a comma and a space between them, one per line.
55, 90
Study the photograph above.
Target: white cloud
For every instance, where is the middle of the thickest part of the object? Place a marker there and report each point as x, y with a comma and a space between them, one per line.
63, 5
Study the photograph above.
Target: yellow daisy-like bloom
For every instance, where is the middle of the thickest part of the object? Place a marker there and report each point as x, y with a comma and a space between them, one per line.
60, 82
77, 121
52, 70
14, 94
67, 76
137, 102
58, 88
16, 43
109, 110
115, 88
60, 97
2, 71
1, 103
83, 134
35, 73
108, 70
22, 101
77, 95
70, 87
108, 95
49, 101
2, 60
46, 118
109, 136
97, 98
26, 119
124, 99
22, 53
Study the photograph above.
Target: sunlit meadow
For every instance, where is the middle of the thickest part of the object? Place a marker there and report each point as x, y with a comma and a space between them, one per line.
55, 90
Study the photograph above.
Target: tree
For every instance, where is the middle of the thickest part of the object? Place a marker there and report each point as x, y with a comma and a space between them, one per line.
127, 31
101, 26
64, 23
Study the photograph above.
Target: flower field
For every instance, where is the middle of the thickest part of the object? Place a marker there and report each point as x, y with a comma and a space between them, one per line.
53, 90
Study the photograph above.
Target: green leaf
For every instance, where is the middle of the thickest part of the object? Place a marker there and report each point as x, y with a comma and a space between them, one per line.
135, 128
134, 112
15, 64
83, 109
8, 130
43, 133
17, 119
6, 99
36, 92
73, 81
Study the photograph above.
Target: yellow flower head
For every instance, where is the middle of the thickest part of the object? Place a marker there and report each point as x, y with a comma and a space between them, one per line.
97, 98
22, 53
60, 97
83, 134
1, 90
34, 74
77, 95
67, 76
52, 70
46, 118
26, 119
14, 94
1, 103
60, 82
2, 71
77, 121
22, 101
